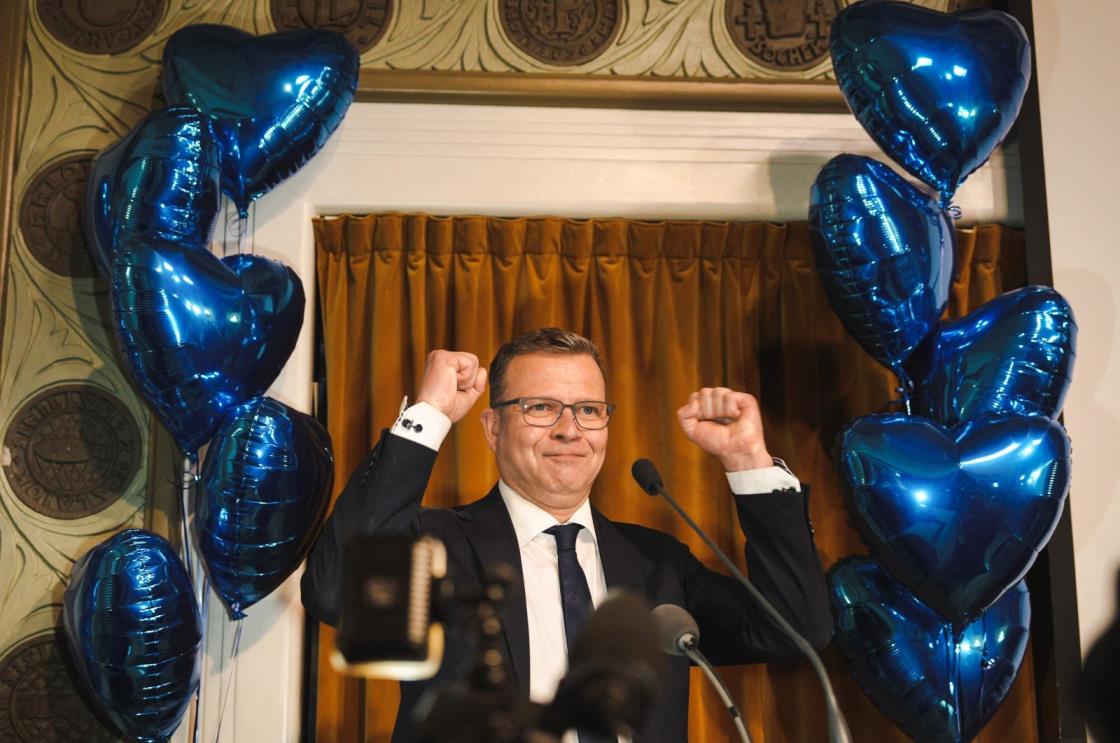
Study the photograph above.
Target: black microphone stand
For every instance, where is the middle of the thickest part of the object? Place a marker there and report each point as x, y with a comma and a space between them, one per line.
691, 648
698, 658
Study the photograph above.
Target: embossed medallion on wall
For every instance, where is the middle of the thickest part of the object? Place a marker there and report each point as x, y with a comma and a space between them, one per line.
38, 701
50, 217
561, 32
362, 22
74, 451
102, 27
785, 35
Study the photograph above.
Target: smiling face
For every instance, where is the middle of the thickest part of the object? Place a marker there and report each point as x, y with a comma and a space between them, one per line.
555, 466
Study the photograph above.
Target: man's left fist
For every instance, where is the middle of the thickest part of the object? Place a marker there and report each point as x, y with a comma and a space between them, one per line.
727, 424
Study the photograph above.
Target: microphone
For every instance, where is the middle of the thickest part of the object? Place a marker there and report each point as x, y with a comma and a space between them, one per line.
647, 476
678, 634
677, 631
615, 670
650, 481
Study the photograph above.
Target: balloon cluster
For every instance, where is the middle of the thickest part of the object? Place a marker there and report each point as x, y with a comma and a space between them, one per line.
956, 497
203, 338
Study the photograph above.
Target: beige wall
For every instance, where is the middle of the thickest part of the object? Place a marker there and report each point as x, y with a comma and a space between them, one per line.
1080, 104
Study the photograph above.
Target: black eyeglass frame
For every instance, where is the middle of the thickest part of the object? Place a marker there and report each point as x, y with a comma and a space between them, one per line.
522, 402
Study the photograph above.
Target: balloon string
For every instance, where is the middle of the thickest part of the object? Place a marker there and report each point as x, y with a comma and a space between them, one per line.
241, 227
227, 227
240, 230
905, 386
188, 486
232, 676
185, 492
252, 228
204, 612
237, 228
955, 673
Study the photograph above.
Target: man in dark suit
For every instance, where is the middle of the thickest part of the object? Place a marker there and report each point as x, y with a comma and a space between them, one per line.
547, 425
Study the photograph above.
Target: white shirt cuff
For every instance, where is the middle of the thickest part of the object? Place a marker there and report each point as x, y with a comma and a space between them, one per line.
423, 424
762, 480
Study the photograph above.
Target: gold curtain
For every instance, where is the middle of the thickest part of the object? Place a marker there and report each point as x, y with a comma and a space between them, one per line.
674, 306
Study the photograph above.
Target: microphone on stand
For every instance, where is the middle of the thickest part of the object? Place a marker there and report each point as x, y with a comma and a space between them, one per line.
650, 481
678, 634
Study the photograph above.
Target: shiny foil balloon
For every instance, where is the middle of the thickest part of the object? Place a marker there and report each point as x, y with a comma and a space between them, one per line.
937, 685
265, 489
161, 181
133, 629
201, 335
1014, 354
884, 252
274, 99
936, 91
957, 515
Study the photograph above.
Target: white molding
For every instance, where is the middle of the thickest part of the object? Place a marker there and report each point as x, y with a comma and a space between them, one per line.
514, 161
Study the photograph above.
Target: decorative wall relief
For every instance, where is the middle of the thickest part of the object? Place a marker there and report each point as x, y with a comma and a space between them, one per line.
73, 451
104, 27
38, 702
561, 33
49, 217
76, 444
604, 38
782, 36
472, 46
363, 22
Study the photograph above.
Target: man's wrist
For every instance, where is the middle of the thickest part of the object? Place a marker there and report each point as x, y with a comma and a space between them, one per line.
423, 423
742, 462
763, 479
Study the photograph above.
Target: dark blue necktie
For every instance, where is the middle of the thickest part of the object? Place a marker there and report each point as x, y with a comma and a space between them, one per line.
574, 593
575, 597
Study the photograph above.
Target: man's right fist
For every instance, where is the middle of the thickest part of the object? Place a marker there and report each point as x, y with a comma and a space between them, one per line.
452, 382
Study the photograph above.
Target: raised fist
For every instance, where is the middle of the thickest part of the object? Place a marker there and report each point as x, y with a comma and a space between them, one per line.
453, 381
727, 424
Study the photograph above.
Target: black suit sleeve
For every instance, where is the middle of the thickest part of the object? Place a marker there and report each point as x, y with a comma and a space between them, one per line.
783, 565
382, 497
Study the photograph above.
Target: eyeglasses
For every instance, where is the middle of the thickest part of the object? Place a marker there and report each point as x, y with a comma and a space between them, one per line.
590, 415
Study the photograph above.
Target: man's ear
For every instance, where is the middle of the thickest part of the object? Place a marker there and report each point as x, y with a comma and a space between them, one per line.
491, 420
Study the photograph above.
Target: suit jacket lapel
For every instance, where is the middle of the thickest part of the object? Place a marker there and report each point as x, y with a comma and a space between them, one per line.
491, 534
622, 562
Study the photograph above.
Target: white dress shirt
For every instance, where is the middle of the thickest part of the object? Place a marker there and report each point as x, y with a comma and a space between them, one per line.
548, 652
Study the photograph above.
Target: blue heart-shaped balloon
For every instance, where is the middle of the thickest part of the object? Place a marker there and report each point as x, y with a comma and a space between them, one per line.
201, 335
134, 631
938, 686
274, 99
160, 182
957, 515
936, 91
884, 252
1014, 354
266, 486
